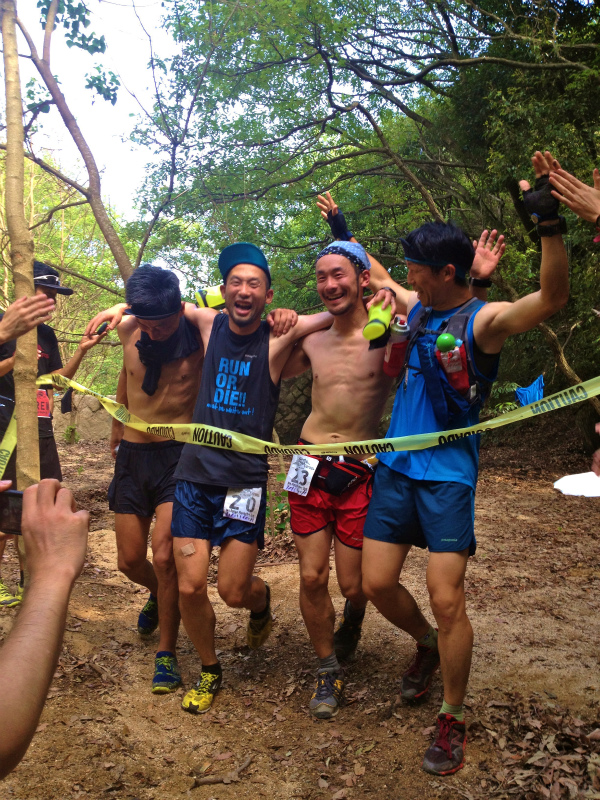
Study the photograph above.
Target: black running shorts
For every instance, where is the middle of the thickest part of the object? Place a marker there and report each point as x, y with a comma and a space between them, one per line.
143, 477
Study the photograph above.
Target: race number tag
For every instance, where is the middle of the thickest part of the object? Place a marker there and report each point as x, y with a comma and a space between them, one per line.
43, 403
242, 504
300, 474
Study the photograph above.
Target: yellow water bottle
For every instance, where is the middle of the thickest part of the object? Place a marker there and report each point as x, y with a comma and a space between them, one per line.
210, 298
379, 321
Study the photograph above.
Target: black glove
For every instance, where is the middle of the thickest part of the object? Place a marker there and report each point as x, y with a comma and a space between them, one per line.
338, 225
539, 202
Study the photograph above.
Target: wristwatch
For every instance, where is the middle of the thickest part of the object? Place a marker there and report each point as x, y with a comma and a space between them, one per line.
552, 230
482, 283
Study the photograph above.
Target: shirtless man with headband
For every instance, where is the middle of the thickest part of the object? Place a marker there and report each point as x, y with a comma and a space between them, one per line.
162, 366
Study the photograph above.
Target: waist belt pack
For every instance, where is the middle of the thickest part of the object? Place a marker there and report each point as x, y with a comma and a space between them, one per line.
337, 476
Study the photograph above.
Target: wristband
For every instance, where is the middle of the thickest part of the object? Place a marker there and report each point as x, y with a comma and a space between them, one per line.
482, 283
552, 230
387, 289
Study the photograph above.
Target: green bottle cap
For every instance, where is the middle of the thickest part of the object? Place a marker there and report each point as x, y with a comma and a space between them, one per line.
445, 342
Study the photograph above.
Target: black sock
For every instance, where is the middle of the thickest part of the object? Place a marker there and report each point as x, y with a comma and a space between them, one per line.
22, 578
265, 611
213, 669
354, 614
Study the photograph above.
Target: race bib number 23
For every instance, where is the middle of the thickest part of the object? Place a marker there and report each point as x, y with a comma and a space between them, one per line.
242, 504
300, 474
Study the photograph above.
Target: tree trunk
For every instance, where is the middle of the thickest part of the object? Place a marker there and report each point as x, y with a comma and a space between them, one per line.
93, 191
21, 255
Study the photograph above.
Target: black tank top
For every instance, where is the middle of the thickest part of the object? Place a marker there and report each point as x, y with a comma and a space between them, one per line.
236, 394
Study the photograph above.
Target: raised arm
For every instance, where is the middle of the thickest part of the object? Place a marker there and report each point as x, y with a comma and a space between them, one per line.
280, 348
497, 321
379, 276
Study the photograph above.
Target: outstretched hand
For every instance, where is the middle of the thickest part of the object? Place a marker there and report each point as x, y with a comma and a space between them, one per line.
326, 204
584, 200
24, 314
112, 315
543, 164
488, 252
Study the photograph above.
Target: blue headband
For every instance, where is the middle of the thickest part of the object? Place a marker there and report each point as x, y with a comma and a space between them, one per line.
353, 251
242, 253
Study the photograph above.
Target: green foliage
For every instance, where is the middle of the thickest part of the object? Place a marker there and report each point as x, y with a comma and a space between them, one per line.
74, 18
71, 435
103, 84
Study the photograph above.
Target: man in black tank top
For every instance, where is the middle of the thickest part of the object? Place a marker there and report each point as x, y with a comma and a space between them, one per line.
220, 497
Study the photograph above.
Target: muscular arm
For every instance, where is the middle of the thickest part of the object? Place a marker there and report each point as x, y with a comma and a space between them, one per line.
297, 363
500, 320
280, 348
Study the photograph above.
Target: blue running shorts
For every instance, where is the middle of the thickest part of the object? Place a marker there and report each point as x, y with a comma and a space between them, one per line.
439, 515
198, 514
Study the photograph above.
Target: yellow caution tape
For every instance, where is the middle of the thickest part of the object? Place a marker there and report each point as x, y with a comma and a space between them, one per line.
8, 444
194, 433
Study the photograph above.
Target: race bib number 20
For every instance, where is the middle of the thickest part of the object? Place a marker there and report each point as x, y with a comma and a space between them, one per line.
242, 504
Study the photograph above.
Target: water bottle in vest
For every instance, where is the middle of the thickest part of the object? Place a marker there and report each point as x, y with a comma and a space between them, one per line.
451, 354
210, 298
395, 350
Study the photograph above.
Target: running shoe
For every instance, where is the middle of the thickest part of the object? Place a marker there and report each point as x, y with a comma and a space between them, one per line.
199, 699
446, 755
148, 618
166, 673
416, 679
327, 696
345, 639
259, 628
7, 600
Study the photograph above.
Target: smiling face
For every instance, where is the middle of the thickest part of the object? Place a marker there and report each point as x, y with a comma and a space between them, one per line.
431, 287
338, 285
159, 330
246, 293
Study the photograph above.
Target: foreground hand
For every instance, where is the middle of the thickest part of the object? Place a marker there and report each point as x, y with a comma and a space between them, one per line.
112, 315
584, 200
488, 252
55, 535
386, 298
282, 320
24, 314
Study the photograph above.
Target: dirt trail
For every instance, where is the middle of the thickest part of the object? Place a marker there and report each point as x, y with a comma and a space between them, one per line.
534, 696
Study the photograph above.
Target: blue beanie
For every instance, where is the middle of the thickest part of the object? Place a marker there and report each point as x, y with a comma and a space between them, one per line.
353, 251
242, 253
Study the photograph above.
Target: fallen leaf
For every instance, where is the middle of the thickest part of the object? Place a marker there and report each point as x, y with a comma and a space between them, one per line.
223, 756
341, 795
359, 769
322, 783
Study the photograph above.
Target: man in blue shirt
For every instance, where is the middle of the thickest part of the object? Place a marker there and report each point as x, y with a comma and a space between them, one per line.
426, 497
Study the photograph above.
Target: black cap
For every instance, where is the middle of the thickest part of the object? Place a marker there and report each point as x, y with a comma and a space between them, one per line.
48, 278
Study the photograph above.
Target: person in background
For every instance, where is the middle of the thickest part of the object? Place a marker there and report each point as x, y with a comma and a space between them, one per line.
47, 285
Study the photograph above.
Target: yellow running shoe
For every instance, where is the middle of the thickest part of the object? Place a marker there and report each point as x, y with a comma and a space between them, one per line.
259, 627
199, 699
7, 600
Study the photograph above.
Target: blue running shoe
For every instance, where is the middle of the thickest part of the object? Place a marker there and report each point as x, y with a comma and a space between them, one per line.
148, 618
166, 673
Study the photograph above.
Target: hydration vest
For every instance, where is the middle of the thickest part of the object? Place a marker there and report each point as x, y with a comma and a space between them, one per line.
449, 405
